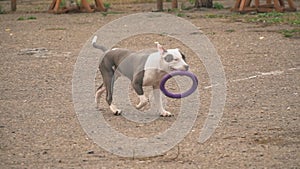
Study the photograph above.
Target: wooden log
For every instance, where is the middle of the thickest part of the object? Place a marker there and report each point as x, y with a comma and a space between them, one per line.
264, 10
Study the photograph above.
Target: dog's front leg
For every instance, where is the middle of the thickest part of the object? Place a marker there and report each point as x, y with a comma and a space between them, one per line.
137, 85
159, 103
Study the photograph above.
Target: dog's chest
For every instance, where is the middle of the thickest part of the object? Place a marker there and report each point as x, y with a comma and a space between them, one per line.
153, 71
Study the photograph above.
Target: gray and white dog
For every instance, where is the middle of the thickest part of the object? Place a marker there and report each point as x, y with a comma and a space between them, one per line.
143, 68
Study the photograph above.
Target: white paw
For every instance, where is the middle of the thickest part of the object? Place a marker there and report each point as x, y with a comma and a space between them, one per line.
118, 112
115, 110
141, 105
166, 114
143, 102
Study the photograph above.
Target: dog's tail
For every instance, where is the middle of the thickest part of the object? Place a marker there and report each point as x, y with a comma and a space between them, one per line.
98, 46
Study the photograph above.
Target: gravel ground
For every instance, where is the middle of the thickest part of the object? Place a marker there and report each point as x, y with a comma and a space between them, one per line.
260, 127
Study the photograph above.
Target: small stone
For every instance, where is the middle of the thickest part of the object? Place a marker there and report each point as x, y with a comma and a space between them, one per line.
90, 152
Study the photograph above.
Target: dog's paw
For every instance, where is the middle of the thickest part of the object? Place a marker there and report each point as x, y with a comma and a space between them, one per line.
115, 110
143, 102
166, 114
118, 113
141, 105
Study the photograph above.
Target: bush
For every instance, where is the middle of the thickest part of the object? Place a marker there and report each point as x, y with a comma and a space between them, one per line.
218, 5
2, 10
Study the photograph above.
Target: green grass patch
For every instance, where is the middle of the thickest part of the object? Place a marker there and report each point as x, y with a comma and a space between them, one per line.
107, 5
111, 13
176, 11
292, 18
2, 11
218, 5
22, 18
290, 33
215, 16
31, 18
271, 17
180, 14
230, 30
55, 29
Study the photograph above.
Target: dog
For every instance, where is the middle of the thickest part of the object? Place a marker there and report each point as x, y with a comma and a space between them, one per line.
143, 68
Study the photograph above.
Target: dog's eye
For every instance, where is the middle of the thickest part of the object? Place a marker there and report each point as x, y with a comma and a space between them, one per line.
168, 58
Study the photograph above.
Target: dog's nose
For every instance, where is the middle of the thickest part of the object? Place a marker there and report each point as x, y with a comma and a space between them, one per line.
186, 67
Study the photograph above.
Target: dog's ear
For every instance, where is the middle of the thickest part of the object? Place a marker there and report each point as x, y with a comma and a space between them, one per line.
160, 48
183, 56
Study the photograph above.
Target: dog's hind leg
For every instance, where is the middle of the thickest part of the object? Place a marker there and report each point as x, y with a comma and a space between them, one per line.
108, 79
98, 94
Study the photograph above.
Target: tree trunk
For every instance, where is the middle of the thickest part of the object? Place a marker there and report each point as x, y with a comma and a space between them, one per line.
159, 5
204, 3
13, 5
174, 4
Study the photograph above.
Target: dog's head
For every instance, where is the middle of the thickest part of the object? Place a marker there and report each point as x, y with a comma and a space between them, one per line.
172, 59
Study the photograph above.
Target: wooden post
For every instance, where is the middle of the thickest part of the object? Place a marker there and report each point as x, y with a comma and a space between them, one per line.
242, 5
99, 5
277, 6
292, 5
86, 6
13, 5
174, 4
237, 4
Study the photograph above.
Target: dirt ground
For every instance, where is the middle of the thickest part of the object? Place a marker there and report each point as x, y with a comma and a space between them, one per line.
260, 127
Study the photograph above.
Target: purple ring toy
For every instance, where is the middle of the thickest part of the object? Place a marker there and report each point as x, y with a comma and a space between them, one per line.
179, 95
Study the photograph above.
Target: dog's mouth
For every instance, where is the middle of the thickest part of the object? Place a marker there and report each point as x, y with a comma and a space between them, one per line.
186, 68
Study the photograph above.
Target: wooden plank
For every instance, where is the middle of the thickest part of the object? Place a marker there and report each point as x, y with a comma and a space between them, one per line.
264, 10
